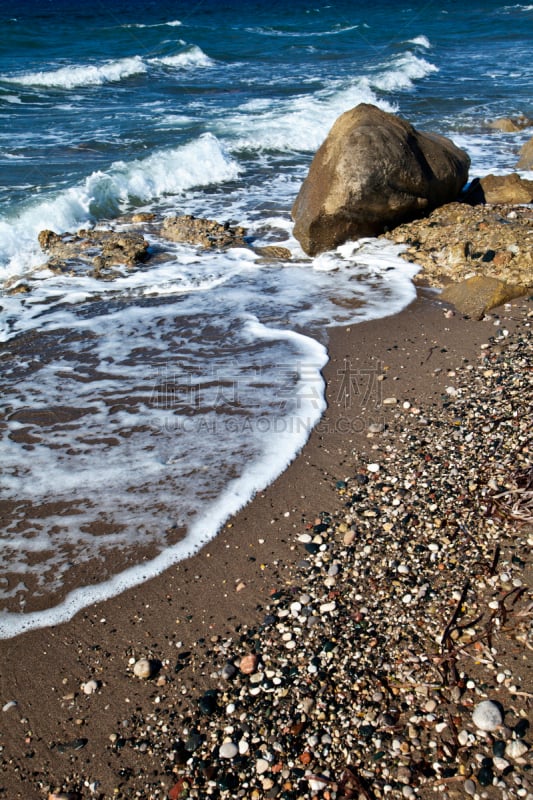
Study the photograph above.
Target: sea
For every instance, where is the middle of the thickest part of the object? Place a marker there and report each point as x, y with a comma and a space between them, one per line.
138, 414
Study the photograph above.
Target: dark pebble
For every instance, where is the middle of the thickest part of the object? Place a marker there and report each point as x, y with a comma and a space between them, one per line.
208, 702
498, 748
485, 776
521, 728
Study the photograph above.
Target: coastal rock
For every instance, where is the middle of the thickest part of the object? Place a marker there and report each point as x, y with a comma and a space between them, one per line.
207, 233
511, 124
95, 251
526, 156
477, 295
458, 241
273, 252
373, 172
501, 189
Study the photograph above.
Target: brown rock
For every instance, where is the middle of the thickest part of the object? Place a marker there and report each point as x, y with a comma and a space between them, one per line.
526, 156
48, 239
374, 171
94, 251
272, 252
511, 124
207, 233
497, 189
458, 240
479, 294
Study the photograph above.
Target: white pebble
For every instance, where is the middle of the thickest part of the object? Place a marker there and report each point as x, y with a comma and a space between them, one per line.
142, 668
326, 607
516, 748
373, 467
10, 705
90, 687
462, 737
261, 766
407, 598
244, 747
487, 716
228, 750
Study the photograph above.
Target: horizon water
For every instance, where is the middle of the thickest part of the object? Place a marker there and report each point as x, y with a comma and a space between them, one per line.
138, 414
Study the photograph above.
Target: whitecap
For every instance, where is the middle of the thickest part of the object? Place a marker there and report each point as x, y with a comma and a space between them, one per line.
194, 56
71, 77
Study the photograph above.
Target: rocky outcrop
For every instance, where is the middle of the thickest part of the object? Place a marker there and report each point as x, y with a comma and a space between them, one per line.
96, 251
526, 156
511, 124
479, 294
458, 242
500, 189
207, 233
373, 172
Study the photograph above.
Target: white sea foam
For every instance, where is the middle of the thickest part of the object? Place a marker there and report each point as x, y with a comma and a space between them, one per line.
172, 24
303, 34
401, 73
76, 76
72, 77
300, 123
192, 57
202, 162
134, 410
422, 41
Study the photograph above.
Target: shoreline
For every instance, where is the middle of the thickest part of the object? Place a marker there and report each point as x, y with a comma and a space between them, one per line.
225, 589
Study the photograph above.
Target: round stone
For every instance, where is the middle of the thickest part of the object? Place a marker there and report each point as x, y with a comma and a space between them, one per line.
228, 750
487, 716
90, 687
261, 766
142, 668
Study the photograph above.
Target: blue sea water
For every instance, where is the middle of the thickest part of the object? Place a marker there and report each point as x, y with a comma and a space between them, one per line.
137, 414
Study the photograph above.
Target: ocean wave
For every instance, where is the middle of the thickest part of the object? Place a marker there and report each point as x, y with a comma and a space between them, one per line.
402, 72
74, 77
302, 34
422, 41
175, 23
297, 124
201, 162
194, 56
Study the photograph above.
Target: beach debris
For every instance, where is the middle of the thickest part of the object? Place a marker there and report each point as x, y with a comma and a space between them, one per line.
9, 705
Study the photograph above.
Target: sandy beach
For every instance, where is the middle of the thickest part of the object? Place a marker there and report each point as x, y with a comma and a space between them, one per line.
77, 722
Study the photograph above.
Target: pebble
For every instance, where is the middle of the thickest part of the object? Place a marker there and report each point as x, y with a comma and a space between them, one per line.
261, 766
90, 687
487, 716
143, 668
248, 664
228, 750
8, 706
516, 748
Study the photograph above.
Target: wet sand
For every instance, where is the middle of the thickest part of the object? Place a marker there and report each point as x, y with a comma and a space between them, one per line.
57, 737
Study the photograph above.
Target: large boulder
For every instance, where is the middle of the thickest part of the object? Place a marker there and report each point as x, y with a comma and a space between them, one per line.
526, 156
374, 171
